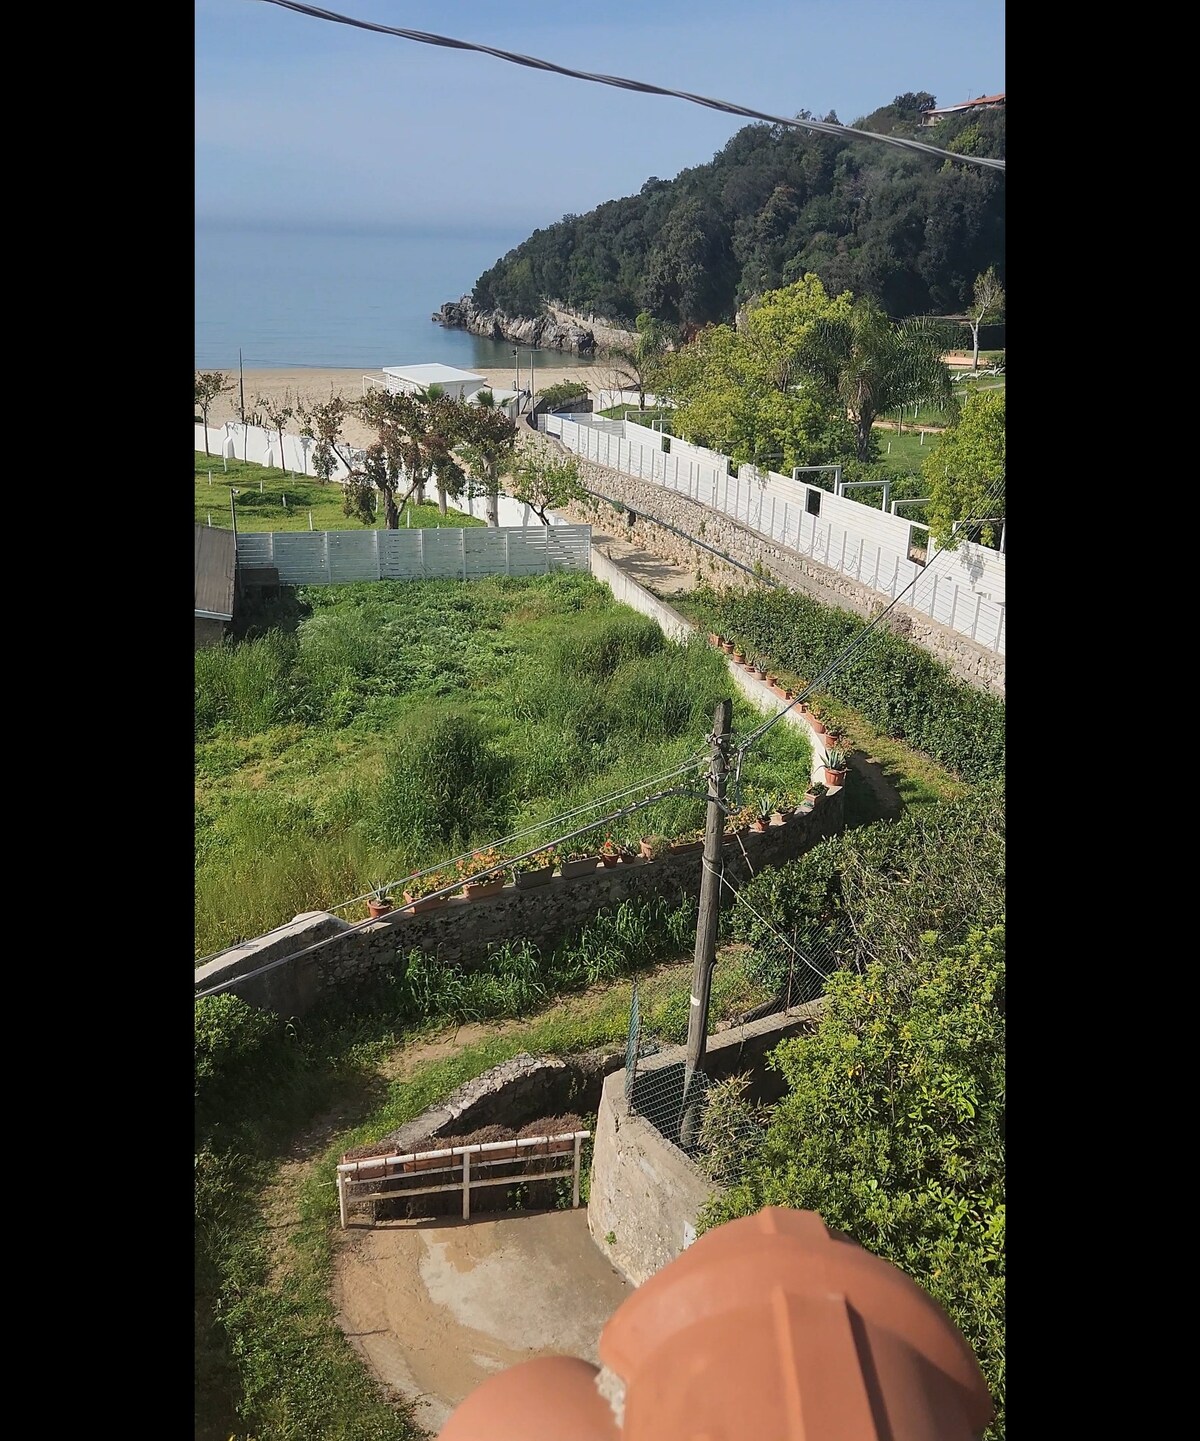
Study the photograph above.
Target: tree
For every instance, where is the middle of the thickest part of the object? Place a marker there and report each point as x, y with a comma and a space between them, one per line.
750, 393
892, 1128
398, 422
488, 443
987, 301
542, 483
209, 384
965, 473
278, 412
640, 361
326, 422
876, 364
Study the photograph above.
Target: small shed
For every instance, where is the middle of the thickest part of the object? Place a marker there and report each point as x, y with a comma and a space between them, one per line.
409, 379
215, 563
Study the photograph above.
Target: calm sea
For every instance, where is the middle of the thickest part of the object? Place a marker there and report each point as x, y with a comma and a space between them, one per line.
291, 298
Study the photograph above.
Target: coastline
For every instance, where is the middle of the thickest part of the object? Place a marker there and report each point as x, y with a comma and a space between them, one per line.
315, 385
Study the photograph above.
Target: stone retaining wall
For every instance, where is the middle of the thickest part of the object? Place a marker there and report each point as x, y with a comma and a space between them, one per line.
464, 932
655, 506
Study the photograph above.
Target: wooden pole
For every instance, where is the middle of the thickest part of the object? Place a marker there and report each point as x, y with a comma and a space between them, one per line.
706, 922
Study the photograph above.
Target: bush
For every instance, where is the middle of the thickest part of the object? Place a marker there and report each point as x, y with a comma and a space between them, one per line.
896, 686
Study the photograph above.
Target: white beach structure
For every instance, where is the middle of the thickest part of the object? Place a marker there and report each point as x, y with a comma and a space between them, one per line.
457, 384
409, 379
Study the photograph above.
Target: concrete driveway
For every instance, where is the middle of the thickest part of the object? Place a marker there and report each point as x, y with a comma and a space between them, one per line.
435, 1306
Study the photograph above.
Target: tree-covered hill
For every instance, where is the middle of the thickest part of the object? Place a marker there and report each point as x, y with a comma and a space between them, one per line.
776, 203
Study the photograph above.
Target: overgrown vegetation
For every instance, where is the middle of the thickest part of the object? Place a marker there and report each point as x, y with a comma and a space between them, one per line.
897, 686
400, 724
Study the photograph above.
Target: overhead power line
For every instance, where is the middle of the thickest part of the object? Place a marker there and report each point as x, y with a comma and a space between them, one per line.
824, 127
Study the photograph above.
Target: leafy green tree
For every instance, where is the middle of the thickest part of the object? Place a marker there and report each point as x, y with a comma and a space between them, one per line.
892, 1129
488, 441
876, 364
752, 393
965, 473
325, 423
209, 384
543, 483
987, 300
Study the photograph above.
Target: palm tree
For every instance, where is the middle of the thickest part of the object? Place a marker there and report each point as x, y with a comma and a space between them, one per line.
875, 364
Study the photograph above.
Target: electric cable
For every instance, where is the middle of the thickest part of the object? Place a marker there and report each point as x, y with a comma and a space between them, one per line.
823, 127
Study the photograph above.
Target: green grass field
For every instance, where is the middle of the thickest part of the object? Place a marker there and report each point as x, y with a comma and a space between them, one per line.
396, 725
262, 491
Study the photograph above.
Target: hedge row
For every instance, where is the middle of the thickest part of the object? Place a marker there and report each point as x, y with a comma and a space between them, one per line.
897, 686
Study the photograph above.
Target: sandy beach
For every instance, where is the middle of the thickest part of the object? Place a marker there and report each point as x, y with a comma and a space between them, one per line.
314, 385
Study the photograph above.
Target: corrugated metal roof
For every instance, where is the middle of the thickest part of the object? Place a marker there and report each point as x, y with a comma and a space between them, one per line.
214, 571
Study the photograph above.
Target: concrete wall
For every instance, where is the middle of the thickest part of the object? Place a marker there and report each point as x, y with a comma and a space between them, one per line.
463, 931
644, 1191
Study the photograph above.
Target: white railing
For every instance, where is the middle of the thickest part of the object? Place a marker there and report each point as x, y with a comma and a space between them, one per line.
392, 1178
961, 589
339, 557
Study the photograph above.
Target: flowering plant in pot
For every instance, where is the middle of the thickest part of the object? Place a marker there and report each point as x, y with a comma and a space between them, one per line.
738, 822
418, 890
482, 873
534, 870
612, 852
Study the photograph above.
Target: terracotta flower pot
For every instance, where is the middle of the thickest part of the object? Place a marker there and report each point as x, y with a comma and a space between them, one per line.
477, 890
379, 908
608, 862
834, 778
738, 656
423, 903
526, 880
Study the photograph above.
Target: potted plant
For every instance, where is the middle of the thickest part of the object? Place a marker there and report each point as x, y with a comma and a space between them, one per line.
764, 809
738, 654
379, 902
785, 809
534, 870
835, 766
486, 867
812, 795
759, 667
687, 843
418, 890
652, 847
579, 863
610, 852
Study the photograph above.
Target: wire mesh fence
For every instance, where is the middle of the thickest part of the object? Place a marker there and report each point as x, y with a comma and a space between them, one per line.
718, 1123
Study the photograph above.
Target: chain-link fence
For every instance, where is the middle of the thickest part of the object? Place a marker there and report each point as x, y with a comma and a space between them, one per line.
718, 1123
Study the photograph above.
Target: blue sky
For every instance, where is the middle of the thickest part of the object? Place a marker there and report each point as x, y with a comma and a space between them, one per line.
302, 121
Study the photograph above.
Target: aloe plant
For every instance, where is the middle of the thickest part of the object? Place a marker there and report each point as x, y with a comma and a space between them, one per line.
835, 759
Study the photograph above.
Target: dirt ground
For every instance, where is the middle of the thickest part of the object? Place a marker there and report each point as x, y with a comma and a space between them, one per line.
435, 1307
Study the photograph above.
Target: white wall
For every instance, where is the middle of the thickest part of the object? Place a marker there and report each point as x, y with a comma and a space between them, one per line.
962, 589
338, 557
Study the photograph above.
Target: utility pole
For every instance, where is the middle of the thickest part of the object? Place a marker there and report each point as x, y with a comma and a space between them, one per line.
706, 922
